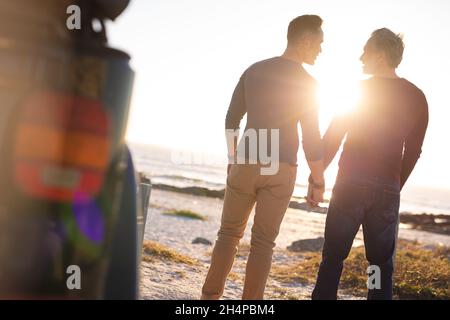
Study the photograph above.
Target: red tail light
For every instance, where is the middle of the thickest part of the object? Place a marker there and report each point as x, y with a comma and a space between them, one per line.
62, 146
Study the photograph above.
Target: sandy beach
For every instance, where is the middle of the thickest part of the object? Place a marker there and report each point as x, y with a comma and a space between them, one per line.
166, 279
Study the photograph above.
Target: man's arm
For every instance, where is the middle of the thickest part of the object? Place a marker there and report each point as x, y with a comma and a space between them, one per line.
330, 145
313, 149
333, 137
413, 144
236, 111
312, 143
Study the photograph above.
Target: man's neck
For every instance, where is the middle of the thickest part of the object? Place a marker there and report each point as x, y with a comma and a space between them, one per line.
291, 54
386, 73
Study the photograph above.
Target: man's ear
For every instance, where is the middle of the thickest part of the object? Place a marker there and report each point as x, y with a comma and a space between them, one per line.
306, 42
303, 45
381, 57
299, 46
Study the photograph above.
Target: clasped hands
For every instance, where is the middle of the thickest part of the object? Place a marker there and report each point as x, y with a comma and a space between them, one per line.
316, 189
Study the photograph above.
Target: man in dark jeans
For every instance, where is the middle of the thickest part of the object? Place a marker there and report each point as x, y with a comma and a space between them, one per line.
384, 141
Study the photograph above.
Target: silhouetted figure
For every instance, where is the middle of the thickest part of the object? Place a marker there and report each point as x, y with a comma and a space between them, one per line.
384, 141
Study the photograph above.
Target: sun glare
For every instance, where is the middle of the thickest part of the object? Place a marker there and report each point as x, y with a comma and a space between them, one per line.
338, 97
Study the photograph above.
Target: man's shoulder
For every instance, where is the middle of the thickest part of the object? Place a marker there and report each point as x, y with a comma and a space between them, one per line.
280, 71
407, 89
417, 95
278, 63
413, 87
271, 60
263, 64
410, 87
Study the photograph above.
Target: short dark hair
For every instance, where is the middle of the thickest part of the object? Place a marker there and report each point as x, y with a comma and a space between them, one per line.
301, 25
390, 43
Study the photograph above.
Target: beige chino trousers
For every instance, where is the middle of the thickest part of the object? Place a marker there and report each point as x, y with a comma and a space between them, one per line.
245, 187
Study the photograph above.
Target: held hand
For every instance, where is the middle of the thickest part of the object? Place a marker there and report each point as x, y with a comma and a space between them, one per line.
309, 199
315, 193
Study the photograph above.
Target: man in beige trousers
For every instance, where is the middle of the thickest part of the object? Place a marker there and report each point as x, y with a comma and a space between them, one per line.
276, 94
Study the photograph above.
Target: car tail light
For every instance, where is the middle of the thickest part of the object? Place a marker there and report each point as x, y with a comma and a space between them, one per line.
62, 146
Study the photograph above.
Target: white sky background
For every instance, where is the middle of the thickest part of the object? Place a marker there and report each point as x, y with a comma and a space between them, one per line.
189, 55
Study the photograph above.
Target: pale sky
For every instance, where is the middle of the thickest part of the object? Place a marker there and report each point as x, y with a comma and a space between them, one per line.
189, 55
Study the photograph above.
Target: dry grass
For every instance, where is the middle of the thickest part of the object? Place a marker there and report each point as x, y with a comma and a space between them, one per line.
420, 273
185, 214
233, 276
153, 250
180, 274
243, 250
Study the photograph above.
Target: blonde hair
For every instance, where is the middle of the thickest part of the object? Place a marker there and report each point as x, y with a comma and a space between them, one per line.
390, 43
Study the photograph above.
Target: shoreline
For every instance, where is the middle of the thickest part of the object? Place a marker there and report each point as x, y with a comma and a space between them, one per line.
300, 231
434, 223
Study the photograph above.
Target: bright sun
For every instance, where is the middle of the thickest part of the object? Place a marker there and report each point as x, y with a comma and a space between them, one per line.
338, 97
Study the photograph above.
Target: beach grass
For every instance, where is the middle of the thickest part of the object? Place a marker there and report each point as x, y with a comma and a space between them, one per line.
233, 276
285, 294
420, 273
243, 250
185, 214
153, 250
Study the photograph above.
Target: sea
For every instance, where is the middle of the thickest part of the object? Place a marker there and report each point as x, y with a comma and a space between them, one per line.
181, 168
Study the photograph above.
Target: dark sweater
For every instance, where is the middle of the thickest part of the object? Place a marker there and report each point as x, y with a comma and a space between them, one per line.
384, 135
278, 93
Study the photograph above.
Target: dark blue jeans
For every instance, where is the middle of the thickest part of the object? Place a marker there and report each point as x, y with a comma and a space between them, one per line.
374, 204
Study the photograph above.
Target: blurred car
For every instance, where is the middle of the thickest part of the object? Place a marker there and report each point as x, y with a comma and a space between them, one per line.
70, 199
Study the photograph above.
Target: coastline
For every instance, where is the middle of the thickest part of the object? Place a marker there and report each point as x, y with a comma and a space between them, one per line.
162, 279
435, 223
